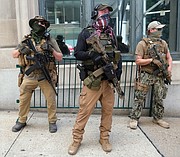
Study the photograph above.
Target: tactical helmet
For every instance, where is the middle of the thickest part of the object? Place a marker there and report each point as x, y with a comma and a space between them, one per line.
39, 18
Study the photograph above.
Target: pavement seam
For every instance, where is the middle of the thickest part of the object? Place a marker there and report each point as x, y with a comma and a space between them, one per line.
150, 141
17, 136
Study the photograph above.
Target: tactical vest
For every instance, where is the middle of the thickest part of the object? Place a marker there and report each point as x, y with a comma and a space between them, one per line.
160, 48
26, 63
107, 42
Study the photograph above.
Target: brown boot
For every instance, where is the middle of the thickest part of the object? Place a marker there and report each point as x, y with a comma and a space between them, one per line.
133, 123
106, 146
161, 123
73, 148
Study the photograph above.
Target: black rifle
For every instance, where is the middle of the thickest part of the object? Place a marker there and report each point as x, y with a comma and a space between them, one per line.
98, 47
163, 69
40, 63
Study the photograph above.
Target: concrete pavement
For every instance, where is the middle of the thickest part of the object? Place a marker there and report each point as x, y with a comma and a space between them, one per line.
149, 140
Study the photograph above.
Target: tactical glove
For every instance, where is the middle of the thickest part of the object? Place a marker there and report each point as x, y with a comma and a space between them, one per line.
47, 47
157, 62
24, 49
96, 58
109, 71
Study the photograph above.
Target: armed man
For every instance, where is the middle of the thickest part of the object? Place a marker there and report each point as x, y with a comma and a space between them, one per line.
101, 65
37, 54
154, 69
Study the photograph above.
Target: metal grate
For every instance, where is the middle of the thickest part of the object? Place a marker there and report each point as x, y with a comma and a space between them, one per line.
69, 87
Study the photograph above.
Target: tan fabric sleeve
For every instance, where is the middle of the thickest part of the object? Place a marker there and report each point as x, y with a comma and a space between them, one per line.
54, 44
140, 48
166, 48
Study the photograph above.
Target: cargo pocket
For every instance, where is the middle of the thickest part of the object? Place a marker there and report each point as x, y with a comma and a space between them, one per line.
82, 98
164, 92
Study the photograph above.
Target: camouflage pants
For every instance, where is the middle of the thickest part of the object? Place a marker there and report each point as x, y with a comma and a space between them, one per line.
159, 93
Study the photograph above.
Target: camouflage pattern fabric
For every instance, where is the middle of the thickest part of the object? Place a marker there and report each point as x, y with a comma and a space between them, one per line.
159, 93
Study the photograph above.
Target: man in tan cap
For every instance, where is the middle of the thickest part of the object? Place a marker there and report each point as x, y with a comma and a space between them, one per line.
96, 87
154, 69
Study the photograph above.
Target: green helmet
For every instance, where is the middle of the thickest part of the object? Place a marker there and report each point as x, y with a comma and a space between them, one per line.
39, 18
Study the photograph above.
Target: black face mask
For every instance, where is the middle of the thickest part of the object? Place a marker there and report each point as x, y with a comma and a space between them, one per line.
38, 29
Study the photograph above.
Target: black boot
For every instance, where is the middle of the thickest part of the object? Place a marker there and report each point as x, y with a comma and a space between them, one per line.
18, 126
52, 127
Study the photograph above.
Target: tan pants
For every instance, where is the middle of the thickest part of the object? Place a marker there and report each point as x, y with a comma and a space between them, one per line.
26, 89
88, 99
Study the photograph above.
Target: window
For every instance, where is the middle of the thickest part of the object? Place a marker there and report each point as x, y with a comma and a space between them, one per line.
64, 16
63, 11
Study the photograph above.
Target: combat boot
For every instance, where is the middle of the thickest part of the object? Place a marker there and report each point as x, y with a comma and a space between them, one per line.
73, 148
161, 123
18, 126
106, 146
133, 123
52, 127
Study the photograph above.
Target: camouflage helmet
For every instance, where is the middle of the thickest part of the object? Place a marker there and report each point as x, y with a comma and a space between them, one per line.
39, 18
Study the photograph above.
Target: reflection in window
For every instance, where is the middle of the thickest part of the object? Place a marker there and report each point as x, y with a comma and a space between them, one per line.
64, 16
63, 11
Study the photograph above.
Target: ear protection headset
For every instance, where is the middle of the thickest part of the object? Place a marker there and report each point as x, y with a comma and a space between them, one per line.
95, 11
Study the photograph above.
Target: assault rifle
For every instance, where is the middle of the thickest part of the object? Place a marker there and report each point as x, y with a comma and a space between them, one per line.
40, 63
163, 69
98, 47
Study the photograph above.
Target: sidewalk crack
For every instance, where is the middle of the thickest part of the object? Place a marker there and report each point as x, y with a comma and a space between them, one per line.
151, 141
17, 136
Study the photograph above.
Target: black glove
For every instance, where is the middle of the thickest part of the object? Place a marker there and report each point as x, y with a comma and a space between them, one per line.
109, 71
96, 58
157, 62
24, 49
47, 47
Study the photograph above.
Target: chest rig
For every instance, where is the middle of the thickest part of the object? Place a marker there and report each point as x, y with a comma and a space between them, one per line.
149, 50
33, 63
25, 62
107, 44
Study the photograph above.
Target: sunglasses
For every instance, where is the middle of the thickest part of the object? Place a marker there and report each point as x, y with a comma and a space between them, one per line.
42, 22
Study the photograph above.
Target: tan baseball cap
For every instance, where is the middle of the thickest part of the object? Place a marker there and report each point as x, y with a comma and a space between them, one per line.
103, 6
155, 24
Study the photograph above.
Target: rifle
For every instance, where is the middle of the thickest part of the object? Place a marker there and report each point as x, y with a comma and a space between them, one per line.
40, 61
98, 47
155, 55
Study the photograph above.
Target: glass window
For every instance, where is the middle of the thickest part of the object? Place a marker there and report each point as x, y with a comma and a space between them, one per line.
158, 11
64, 16
63, 11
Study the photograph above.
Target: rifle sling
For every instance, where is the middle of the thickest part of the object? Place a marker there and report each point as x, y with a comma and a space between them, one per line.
98, 72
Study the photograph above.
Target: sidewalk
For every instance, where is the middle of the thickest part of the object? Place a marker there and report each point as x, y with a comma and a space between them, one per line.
149, 140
